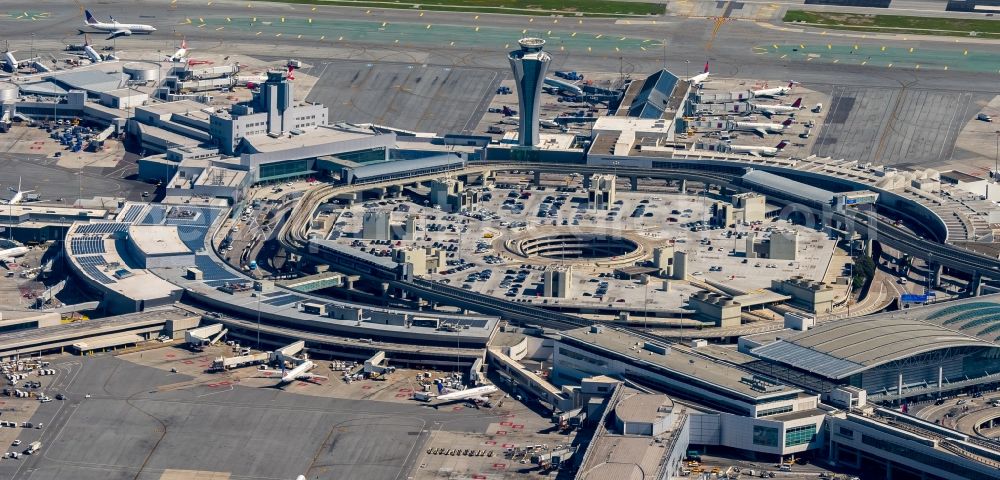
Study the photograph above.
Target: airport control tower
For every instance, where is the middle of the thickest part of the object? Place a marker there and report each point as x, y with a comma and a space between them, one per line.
529, 65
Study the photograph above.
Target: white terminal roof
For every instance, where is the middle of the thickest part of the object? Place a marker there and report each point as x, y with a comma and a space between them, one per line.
158, 240
643, 408
843, 348
309, 138
630, 129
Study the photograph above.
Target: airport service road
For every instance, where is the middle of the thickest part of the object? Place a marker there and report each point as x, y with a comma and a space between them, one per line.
136, 425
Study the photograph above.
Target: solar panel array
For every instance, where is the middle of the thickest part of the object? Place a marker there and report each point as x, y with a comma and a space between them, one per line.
211, 270
103, 228
807, 359
156, 215
285, 300
91, 266
132, 213
193, 237
86, 245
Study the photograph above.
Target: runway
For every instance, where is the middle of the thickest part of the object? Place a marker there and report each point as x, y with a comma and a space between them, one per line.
452, 39
923, 87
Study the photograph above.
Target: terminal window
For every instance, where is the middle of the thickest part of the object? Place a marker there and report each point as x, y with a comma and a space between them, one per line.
577, 356
774, 411
765, 436
800, 435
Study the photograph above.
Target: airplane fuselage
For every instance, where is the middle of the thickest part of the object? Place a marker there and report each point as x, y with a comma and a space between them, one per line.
132, 28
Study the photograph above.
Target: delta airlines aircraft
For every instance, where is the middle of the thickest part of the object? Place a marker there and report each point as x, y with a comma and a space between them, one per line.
701, 77
758, 151
115, 29
761, 129
771, 110
181, 52
773, 92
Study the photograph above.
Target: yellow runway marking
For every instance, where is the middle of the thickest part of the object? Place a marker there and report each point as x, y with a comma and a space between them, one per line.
322, 37
277, 34
229, 19
220, 28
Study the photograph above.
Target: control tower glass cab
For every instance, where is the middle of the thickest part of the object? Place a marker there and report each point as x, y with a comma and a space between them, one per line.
529, 65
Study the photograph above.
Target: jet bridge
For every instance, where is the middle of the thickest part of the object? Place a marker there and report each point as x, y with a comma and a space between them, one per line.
207, 335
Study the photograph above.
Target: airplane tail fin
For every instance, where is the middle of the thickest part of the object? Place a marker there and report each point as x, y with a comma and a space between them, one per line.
786, 122
291, 72
798, 103
90, 20
706, 68
86, 40
781, 145
184, 43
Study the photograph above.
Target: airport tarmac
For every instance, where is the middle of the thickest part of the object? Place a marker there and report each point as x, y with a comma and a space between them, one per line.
895, 126
51, 182
423, 98
142, 422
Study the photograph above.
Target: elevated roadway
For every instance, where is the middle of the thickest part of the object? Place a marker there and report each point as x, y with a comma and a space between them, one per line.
294, 235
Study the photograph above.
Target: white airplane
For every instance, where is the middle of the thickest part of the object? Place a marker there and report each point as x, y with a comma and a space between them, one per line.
11, 64
773, 92
771, 110
548, 123
758, 151
115, 29
477, 393
18, 194
701, 77
300, 477
8, 255
300, 372
181, 52
761, 129
89, 51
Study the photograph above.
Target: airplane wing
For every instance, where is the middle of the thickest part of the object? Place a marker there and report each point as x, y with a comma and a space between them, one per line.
268, 373
754, 153
309, 377
760, 131
124, 32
